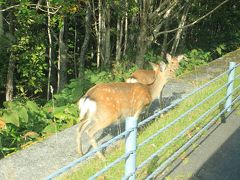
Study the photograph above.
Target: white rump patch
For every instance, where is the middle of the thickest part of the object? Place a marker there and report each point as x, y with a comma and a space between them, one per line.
131, 80
86, 105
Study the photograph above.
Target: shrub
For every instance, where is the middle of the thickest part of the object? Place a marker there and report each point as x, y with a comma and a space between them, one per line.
193, 59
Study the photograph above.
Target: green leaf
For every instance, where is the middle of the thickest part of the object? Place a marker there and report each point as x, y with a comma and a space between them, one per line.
51, 128
219, 50
11, 117
59, 112
23, 114
32, 106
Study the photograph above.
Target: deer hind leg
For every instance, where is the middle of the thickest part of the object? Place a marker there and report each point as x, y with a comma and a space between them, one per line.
98, 125
137, 114
80, 131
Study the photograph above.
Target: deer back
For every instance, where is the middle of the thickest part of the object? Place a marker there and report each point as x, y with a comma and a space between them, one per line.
142, 76
116, 100
112, 101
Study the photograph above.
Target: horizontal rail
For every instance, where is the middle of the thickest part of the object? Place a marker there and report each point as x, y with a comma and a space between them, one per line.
237, 76
110, 165
181, 133
187, 144
181, 99
89, 154
182, 115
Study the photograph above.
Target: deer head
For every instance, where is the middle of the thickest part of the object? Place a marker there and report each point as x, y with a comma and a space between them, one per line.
173, 63
105, 104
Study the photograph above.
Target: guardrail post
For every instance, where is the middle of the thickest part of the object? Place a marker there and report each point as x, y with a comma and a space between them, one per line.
130, 147
230, 86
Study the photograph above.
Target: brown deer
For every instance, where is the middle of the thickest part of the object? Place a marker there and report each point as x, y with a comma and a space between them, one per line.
105, 104
148, 76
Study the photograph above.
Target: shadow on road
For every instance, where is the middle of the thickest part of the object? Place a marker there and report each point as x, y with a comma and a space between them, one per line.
225, 163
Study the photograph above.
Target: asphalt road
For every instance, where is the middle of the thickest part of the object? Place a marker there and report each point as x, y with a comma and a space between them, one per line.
217, 157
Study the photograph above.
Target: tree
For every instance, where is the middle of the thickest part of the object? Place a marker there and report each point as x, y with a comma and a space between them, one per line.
84, 47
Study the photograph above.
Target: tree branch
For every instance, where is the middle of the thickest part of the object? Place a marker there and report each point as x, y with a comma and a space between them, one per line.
56, 9
194, 22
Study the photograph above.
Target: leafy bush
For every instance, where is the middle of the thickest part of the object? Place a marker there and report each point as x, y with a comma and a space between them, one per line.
193, 59
71, 93
20, 122
122, 71
151, 57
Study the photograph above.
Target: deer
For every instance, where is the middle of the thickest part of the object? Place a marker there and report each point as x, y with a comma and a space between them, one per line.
107, 103
147, 76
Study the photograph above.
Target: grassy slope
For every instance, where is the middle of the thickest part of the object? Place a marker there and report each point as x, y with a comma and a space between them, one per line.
91, 166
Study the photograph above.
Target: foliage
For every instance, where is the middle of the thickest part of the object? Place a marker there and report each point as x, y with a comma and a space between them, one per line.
194, 58
21, 122
152, 57
4, 54
24, 121
31, 66
217, 30
71, 93
123, 70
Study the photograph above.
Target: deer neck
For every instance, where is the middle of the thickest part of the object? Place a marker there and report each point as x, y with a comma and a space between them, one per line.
156, 87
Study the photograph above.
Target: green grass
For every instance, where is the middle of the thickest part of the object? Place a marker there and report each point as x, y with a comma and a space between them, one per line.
91, 166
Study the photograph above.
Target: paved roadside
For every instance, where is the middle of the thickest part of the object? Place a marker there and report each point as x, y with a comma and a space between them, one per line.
217, 157
44, 158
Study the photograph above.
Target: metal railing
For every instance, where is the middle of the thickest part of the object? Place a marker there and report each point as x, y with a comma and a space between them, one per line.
130, 132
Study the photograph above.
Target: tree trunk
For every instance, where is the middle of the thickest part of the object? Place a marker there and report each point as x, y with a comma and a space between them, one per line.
62, 57
119, 38
142, 41
1, 22
99, 33
179, 31
165, 40
75, 48
125, 29
9, 83
86, 41
11, 63
107, 40
49, 51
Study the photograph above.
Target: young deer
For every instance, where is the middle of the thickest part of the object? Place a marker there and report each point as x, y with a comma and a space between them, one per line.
148, 76
105, 104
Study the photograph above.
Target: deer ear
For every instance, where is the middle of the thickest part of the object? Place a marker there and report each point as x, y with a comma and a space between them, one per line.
169, 57
180, 57
163, 66
154, 66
